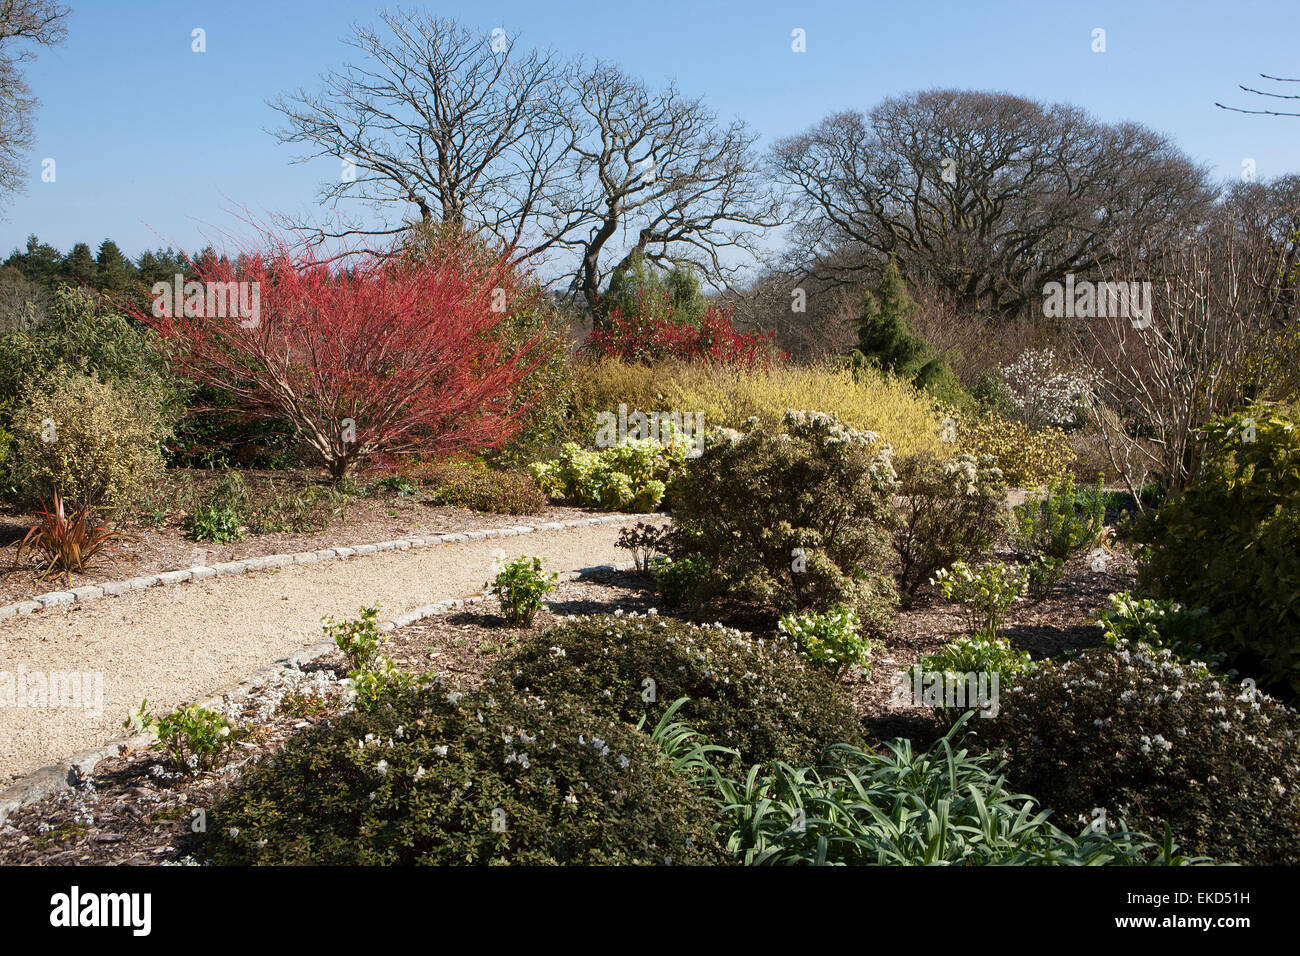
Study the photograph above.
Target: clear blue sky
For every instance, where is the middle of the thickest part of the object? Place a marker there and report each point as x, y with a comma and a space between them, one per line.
155, 144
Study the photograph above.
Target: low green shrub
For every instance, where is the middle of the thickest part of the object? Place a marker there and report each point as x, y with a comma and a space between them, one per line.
437, 777
521, 586
1231, 543
944, 806
1158, 624
951, 511
194, 737
752, 695
222, 514
957, 663
796, 519
633, 475
682, 581
986, 593
830, 640
1062, 522
1135, 733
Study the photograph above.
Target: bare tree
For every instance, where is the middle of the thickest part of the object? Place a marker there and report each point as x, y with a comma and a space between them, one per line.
1268, 94
23, 24
1187, 358
987, 195
440, 125
660, 178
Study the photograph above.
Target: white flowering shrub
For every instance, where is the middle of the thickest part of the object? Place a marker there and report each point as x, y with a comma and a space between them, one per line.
1135, 733
488, 776
985, 592
754, 695
1044, 391
830, 640
194, 737
795, 518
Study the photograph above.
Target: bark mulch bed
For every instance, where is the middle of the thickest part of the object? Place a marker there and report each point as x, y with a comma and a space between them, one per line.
134, 810
165, 546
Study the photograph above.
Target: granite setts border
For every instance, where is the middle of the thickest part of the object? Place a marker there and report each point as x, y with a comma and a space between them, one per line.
67, 773
203, 572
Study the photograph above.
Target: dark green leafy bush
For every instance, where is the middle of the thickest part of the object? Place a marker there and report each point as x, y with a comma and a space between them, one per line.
1231, 543
1159, 624
750, 694
223, 512
1138, 734
796, 519
952, 511
682, 581
488, 777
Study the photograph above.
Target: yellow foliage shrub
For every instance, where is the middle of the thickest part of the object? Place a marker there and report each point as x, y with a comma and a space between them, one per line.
893, 409
1028, 457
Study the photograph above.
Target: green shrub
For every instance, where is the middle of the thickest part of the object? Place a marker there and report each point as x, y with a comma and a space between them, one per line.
222, 513
1231, 543
194, 737
520, 586
829, 640
969, 657
1028, 457
797, 519
985, 592
83, 332
633, 475
749, 694
474, 485
488, 777
682, 581
1137, 734
95, 444
898, 808
358, 639
1062, 522
1042, 573
1158, 624
952, 511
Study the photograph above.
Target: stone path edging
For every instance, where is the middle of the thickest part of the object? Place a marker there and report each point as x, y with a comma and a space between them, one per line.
67, 773
201, 572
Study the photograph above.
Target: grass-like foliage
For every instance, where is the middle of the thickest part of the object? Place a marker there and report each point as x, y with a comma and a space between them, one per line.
898, 807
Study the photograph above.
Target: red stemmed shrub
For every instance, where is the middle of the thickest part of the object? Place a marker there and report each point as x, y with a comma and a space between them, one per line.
366, 356
654, 337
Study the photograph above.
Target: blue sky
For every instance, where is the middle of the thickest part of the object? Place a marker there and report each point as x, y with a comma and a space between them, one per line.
157, 145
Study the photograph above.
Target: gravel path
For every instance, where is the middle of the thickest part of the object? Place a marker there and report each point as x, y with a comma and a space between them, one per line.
180, 643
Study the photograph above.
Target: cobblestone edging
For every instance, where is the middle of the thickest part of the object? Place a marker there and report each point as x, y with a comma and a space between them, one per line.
66, 773
202, 572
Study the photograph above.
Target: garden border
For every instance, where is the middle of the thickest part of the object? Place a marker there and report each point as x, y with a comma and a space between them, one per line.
65, 774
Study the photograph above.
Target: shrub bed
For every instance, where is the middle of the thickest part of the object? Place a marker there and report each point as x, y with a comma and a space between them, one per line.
489, 777
1138, 734
753, 695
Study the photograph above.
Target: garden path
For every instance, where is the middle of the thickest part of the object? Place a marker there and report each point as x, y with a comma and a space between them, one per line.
177, 644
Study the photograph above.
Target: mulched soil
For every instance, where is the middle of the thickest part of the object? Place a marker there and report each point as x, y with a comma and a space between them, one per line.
134, 810
152, 549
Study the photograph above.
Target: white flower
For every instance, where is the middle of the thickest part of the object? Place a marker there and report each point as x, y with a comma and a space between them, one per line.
382, 766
